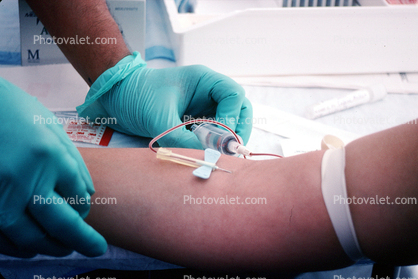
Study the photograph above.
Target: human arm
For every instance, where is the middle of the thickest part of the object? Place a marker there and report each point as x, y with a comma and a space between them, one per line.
88, 20
382, 165
143, 101
157, 222
291, 232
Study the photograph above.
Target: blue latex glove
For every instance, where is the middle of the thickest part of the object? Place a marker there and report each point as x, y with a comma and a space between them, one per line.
39, 161
147, 102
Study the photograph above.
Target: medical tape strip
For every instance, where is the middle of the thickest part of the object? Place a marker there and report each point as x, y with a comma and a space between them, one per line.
79, 130
334, 184
83, 132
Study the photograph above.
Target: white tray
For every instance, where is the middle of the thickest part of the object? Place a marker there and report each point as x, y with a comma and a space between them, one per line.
377, 38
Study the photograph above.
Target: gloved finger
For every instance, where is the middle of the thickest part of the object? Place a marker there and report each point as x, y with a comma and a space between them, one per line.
61, 171
228, 111
166, 116
72, 150
8, 248
70, 185
82, 168
228, 94
26, 234
63, 223
83, 171
245, 122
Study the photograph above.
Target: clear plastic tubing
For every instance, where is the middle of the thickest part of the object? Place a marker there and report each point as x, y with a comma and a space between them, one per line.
358, 97
211, 136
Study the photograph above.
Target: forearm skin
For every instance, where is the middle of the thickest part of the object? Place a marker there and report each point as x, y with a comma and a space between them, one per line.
291, 232
83, 19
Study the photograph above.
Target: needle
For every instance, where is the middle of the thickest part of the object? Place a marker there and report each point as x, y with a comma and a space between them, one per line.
218, 168
165, 154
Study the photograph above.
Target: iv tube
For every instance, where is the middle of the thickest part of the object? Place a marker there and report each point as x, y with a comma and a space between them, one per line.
235, 146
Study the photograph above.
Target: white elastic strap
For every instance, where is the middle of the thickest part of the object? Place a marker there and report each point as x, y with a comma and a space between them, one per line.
333, 185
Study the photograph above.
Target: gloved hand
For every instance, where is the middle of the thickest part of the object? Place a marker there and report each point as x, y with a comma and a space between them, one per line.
38, 163
147, 102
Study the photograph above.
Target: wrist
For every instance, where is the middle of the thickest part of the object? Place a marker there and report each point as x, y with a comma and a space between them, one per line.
104, 83
110, 61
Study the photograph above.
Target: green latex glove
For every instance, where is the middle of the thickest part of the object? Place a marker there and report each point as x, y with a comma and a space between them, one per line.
39, 161
147, 102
